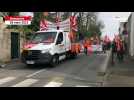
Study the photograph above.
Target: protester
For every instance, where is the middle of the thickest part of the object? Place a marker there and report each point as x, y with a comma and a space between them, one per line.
104, 46
85, 46
114, 51
120, 50
89, 49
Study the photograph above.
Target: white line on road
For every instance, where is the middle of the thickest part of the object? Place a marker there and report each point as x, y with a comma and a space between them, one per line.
7, 79
25, 83
36, 73
81, 86
53, 84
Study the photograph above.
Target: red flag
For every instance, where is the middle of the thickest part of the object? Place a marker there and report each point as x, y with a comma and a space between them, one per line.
73, 22
43, 25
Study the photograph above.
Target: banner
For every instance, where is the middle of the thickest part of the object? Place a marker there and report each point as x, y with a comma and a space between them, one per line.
18, 20
47, 25
69, 24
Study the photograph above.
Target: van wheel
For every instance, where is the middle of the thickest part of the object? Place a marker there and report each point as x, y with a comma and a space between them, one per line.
54, 61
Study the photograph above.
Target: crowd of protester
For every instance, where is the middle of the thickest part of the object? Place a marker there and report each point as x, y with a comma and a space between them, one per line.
105, 43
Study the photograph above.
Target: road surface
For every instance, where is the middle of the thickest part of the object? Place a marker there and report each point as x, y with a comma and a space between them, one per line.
80, 72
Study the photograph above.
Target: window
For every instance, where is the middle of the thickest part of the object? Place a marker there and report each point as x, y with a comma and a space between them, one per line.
60, 38
46, 37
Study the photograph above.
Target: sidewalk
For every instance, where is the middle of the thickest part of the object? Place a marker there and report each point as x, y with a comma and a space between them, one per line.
12, 63
120, 75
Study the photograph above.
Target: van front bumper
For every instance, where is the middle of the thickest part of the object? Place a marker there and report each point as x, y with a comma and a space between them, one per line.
40, 58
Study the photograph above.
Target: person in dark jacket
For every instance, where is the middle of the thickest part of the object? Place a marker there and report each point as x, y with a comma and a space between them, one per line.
114, 51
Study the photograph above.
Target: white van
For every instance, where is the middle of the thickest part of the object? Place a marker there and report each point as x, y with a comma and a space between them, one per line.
48, 47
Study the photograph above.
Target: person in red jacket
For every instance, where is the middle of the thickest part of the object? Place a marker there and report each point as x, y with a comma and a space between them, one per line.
85, 46
120, 50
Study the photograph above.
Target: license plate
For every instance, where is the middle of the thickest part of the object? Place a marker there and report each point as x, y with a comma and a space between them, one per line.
30, 62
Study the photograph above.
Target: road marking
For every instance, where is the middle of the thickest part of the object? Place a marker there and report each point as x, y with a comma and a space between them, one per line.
102, 54
25, 83
82, 86
53, 84
35, 73
7, 79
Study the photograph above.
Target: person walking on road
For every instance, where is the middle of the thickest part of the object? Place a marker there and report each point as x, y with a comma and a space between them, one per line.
104, 46
120, 50
85, 46
114, 51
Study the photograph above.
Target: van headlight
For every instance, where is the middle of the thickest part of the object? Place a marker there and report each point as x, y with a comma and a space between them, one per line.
46, 50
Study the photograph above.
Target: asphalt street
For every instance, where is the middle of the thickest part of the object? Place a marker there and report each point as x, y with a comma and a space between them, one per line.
79, 72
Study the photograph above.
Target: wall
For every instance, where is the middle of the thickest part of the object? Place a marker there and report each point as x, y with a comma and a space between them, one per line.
130, 27
121, 27
5, 43
132, 36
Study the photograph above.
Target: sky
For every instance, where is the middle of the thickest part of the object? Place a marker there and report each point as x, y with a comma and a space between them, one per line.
111, 22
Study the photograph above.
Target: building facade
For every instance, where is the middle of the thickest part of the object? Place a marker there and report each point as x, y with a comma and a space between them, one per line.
121, 27
130, 28
11, 43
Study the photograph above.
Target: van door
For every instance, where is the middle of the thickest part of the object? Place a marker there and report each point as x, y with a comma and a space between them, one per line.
60, 45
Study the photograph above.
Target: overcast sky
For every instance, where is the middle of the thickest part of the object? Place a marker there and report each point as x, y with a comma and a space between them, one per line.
111, 21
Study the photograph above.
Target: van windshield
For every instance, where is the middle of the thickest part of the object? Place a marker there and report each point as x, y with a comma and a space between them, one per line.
46, 37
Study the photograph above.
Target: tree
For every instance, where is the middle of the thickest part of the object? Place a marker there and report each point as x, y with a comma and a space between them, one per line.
65, 15
88, 24
35, 24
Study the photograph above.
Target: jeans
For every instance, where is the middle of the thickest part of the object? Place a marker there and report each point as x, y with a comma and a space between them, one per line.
120, 56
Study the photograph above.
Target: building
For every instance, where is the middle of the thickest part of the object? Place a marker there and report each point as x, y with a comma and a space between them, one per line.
121, 28
130, 29
11, 42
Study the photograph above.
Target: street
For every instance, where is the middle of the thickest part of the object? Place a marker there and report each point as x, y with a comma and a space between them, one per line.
102, 41
79, 72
